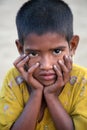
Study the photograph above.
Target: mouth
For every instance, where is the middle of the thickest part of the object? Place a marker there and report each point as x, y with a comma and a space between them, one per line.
48, 76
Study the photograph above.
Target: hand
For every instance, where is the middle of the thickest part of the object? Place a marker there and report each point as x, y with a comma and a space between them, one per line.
62, 70
27, 73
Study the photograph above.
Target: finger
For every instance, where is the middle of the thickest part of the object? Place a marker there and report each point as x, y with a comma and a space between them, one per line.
63, 66
23, 61
59, 76
19, 59
65, 71
28, 75
68, 61
33, 68
21, 65
58, 84
32, 81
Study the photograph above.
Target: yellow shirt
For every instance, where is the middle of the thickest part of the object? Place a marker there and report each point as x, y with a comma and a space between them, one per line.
14, 95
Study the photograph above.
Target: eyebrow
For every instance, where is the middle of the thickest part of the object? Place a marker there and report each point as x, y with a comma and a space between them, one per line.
60, 47
30, 50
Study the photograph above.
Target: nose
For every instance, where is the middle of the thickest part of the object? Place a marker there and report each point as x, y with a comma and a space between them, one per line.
46, 63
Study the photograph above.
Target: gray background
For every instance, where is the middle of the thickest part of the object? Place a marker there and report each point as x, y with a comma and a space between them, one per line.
8, 34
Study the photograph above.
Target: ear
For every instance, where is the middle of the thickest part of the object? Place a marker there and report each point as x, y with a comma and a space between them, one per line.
19, 47
73, 44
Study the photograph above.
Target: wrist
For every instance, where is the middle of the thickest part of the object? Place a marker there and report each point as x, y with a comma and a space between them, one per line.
53, 92
37, 92
49, 95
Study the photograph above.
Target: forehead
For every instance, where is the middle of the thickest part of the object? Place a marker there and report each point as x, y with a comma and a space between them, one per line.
44, 40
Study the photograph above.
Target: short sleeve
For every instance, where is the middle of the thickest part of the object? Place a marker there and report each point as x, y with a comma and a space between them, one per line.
79, 112
74, 97
11, 103
80, 116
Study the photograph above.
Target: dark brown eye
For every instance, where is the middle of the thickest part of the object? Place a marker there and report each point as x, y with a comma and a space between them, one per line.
57, 51
33, 54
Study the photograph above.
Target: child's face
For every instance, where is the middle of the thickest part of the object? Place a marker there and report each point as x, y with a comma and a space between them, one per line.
47, 49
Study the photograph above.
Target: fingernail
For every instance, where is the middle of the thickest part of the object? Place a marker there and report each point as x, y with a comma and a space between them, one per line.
24, 55
27, 57
60, 61
55, 66
66, 56
70, 57
37, 63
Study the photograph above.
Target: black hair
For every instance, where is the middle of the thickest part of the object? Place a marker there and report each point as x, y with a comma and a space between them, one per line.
43, 16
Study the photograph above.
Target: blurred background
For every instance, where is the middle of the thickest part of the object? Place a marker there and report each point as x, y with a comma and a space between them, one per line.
8, 33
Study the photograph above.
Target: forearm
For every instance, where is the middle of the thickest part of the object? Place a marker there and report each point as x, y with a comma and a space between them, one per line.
60, 117
28, 118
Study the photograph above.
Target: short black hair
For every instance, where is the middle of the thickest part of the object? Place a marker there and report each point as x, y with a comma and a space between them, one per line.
43, 16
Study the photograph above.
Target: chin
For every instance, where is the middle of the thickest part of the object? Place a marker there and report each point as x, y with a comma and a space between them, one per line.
46, 84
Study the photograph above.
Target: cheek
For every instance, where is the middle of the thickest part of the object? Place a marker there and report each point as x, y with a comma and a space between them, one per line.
66, 53
60, 57
32, 61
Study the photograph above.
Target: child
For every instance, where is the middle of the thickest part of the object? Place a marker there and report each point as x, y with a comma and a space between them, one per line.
44, 91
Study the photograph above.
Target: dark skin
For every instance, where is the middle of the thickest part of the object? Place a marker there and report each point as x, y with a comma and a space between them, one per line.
48, 60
